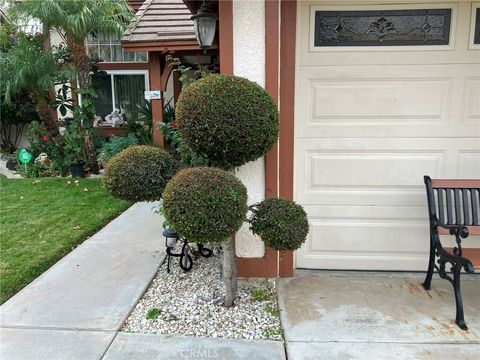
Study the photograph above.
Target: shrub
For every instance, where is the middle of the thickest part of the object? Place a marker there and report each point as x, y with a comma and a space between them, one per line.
116, 145
205, 204
227, 119
282, 224
15, 115
74, 148
139, 173
141, 127
181, 149
40, 141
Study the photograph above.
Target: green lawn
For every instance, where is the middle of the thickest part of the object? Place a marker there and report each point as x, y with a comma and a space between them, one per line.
42, 220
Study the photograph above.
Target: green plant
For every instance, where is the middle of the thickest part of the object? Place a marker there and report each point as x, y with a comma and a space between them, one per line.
63, 102
273, 333
40, 141
153, 314
74, 21
186, 155
36, 135
83, 115
169, 113
74, 139
272, 311
139, 173
227, 119
27, 66
142, 127
261, 294
280, 223
116, 145
205, 204
36, 170
15, 115
181, 150
191, 73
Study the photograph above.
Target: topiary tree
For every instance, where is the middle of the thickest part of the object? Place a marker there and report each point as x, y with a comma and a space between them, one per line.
227, 119
207, 205
280, 223
139, 173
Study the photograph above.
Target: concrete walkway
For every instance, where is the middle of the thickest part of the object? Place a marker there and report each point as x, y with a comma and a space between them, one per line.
347, 315
75, 309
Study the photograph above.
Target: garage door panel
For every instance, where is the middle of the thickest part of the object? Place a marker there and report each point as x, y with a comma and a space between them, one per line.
382, 99
368, 237
376, 244
472, 101
367, 230
469, 164
408, 101
379, 171
355, 235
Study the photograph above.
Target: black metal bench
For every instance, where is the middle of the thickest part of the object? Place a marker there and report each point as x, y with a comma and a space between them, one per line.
453, 208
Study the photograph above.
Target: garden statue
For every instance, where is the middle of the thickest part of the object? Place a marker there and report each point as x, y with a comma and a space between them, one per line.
114, 119
43, 159
97, 121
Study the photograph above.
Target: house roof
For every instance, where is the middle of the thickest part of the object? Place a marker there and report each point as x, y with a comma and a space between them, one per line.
161, 22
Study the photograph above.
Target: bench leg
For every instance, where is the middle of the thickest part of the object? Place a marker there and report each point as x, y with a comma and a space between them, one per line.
459, 319
431, 262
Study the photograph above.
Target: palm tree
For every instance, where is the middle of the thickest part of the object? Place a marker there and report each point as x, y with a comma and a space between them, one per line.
74, 21
27, 66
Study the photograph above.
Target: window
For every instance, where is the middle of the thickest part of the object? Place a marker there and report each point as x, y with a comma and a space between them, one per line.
109, 49
119, 90
476, 31
382, 27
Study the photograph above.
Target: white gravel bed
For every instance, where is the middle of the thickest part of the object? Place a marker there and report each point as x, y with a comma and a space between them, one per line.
189, 304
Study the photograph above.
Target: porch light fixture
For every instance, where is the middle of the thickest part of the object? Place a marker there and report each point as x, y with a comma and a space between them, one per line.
205, 24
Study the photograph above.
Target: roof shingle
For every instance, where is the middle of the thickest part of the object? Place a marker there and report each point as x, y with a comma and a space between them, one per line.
162, 21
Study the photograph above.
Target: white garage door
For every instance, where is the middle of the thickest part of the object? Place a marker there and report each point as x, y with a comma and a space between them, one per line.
373, 117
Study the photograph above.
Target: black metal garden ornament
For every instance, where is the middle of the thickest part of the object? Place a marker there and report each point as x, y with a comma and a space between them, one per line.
186, 261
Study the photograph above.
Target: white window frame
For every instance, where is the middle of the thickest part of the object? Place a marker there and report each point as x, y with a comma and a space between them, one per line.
364, 7
123, 72
471, 44
126, 72
112, 43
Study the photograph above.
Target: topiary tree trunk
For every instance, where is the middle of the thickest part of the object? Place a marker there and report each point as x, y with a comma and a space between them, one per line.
229, 269
229, 272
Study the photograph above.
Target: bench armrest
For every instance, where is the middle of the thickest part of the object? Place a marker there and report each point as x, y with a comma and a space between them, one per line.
465, 263
457, 230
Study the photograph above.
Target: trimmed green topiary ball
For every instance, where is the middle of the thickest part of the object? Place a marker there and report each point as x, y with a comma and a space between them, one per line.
205, 204
139, 173
227, 119
280, 223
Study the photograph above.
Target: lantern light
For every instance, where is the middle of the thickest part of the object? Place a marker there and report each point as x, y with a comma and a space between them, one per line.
205, 24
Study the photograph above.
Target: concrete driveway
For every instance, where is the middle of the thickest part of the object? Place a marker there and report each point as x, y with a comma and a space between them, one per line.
352, 315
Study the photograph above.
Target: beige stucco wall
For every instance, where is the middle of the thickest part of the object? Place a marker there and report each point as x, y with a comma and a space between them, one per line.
249, 62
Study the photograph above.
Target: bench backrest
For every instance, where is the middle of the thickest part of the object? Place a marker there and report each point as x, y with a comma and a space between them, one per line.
454, 202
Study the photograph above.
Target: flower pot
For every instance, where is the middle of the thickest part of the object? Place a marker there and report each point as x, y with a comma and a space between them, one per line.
77, 170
